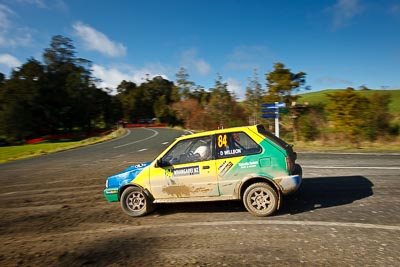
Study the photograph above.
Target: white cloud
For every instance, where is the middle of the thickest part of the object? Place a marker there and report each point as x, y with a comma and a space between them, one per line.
248, 57
235, 86
394, 9
202, 67
10, 34
58, 5
9, 61
345, 10
5, 13
249, 52
190, 60
112, 76
21, 38
39, 3
98, 41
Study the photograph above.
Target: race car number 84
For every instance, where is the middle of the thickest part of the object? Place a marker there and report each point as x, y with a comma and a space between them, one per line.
222, 140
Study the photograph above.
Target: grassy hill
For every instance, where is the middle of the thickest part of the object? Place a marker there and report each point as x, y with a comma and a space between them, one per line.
320, 97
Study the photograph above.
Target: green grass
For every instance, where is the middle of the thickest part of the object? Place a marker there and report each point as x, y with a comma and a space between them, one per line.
10, 153
320, 97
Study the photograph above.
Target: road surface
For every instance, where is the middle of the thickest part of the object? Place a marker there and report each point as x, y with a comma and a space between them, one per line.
53, 213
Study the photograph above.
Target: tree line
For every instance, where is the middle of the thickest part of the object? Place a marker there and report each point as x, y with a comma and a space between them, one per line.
60, 95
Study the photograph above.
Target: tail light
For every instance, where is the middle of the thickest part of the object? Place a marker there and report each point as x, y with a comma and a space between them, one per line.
290, 164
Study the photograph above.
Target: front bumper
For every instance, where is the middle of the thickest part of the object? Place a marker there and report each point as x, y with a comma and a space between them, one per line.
288, 184
111, 194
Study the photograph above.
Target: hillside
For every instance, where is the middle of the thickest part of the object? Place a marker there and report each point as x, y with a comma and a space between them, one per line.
320, 97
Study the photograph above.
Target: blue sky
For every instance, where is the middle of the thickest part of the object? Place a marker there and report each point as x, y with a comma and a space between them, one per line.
338, 43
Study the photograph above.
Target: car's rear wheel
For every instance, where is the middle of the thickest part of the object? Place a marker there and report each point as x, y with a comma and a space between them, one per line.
135, 202
260, 199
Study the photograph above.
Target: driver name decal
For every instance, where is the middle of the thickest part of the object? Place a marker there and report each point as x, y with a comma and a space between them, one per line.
230, 152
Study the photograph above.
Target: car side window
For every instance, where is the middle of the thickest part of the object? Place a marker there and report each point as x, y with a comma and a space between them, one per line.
189, 150
235, 144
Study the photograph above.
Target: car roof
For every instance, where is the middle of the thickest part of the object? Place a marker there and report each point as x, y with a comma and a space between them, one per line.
219, 131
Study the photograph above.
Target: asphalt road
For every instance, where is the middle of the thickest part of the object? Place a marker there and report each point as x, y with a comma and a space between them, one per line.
53, 213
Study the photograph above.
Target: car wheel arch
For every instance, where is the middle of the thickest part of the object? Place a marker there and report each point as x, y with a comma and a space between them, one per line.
124, 187
259, 179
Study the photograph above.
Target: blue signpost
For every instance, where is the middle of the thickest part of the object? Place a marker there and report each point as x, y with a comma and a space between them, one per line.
271, 111
268, 116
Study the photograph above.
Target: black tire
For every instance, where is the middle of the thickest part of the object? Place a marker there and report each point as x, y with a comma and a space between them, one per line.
135, 202
260, 199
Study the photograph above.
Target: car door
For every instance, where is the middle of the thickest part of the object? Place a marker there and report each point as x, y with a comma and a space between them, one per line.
187, 170
237, 156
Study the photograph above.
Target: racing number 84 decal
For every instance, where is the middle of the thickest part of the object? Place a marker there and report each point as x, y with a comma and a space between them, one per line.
224, 150
222, 142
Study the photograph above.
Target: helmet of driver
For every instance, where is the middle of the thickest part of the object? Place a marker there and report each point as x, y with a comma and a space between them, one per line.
203, 152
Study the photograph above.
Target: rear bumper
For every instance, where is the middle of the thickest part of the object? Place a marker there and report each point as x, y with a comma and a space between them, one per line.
288, 184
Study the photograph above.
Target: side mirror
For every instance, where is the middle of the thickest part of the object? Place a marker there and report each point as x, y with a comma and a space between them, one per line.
159, 163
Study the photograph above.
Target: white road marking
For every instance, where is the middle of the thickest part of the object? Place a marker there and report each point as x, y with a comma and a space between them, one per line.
164, 143
120, 228
299, 223
352, 167
128, 132
144, 149
155, 133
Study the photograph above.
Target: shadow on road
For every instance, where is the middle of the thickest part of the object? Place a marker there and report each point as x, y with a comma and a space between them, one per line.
314, 193
324, 192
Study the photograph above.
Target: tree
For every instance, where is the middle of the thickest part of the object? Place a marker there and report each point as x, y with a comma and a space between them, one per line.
21, 112
350, 114
70, 92
380, 115
128, 98
192, 114
253, 99
2, 79
201, 95
60, 95
126, 87
311, 120
185, 86
220, 105
60, 52
282, 83
152, 98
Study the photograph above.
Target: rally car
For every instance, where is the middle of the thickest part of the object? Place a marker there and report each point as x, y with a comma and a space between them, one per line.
242, 163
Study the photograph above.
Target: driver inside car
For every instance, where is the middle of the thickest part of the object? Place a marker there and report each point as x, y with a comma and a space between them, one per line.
202, 153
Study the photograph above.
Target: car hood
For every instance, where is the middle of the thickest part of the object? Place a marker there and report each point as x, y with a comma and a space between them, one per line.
126, 176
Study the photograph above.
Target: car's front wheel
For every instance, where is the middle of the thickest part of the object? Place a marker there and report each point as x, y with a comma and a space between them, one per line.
260, 199
135, 202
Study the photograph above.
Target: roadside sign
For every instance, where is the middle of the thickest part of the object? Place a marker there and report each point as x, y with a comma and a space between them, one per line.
268, 105
281, 104
272, 111
269, 116
274, 105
